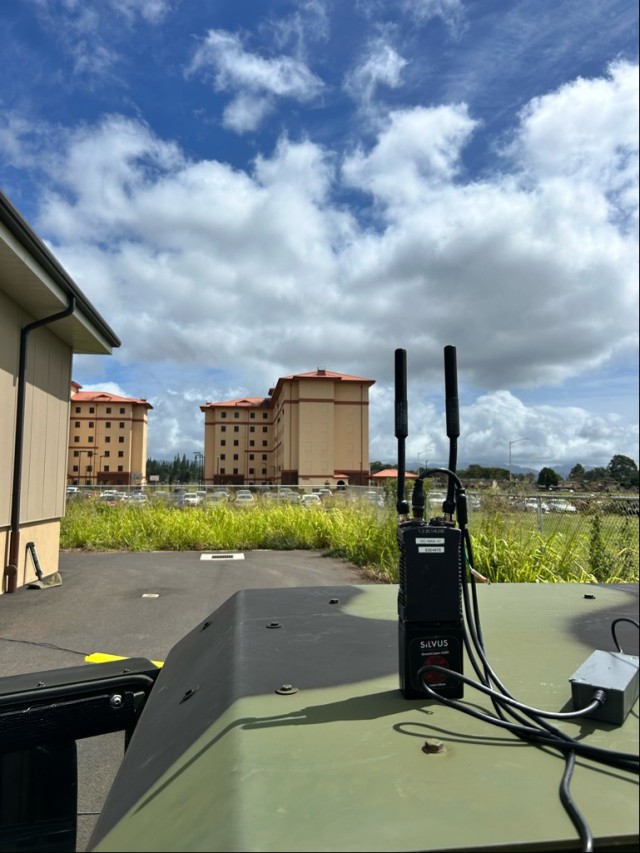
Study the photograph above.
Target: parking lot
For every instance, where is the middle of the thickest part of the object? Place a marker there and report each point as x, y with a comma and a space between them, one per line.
136, 605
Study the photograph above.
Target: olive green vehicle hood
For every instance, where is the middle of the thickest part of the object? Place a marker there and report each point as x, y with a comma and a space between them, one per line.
277, 724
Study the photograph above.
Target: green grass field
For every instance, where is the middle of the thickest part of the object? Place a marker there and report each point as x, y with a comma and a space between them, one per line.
507, 547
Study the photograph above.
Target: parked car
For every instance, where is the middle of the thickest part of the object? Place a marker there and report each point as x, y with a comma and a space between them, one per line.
287, 495
311, 500
244, 498
533, 505
219, 496
138, 499
560, 505
190, 499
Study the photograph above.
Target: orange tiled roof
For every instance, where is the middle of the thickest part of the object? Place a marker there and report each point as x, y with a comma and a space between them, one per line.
104, 397
320, 373
242, 401
387, 473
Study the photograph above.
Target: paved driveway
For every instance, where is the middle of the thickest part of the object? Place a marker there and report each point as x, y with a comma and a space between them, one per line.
136, 605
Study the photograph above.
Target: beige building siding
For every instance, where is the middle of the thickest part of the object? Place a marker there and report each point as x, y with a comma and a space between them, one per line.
40, 303
11, 320
312, 429
42, 492
46, 427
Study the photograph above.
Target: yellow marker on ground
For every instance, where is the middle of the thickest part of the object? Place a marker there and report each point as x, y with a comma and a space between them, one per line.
102, 657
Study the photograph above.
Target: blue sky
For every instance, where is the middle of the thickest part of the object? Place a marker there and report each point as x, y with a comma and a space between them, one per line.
250, 190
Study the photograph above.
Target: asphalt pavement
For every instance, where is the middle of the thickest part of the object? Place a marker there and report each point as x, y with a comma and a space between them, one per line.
136, 605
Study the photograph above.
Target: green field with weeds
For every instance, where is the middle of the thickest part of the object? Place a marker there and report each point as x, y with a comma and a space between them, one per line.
506, 547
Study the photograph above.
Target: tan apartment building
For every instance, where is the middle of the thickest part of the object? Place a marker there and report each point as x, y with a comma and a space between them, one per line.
107, 439
311, 429
44, 320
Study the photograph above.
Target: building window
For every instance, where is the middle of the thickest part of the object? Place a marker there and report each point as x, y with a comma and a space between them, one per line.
121, 424
223, 456
251, 428
223, 415
78, 410
236, 429
90, 439
265, 415
223, 428
120, 468
91, 410
106, 468
90, 454
120, 439
75, 467
108, 410
122, 411
120, 453
107, 439
235, 457
90, 468
251, 471
108, 424
223, 471
107, 453
251, 457
77, 424
235, 470
264, 443
252, 415
264, 458
76, 453
264, 470
265, 429
252, 443
91, 424
236, 415
223, 442
236, 442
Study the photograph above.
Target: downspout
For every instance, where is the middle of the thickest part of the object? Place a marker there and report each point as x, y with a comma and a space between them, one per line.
11, 570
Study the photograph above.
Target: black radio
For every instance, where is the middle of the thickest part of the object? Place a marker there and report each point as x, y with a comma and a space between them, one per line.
431, 565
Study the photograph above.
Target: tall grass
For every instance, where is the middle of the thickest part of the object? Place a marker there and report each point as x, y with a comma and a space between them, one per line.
504, 548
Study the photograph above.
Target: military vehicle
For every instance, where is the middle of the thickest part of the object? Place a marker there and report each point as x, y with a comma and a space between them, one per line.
364, 718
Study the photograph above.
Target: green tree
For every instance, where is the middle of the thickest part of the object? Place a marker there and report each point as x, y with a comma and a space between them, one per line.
548, 477
595, 474
577, 472
623, 470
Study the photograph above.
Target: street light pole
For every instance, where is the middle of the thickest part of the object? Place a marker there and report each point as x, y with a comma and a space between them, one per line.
426, 461
511, 443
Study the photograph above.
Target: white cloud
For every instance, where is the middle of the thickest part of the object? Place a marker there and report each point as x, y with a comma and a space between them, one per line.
380, 66
254, 80
419, 148
586, 135
531, 272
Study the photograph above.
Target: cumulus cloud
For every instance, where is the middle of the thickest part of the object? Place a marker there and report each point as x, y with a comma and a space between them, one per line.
254, 81
380, 66
260, 272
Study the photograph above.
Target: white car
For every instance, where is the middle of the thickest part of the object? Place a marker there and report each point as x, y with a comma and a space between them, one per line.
190, 499
244, 499
533, 505
311, 500
559, 505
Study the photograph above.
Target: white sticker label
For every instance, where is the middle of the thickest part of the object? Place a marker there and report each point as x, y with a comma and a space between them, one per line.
431, 540
431, 549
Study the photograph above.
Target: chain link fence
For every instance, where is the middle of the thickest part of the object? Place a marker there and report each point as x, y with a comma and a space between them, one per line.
589, 538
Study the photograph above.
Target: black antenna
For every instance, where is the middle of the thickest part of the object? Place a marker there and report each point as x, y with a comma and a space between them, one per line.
453, 421
402, 425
